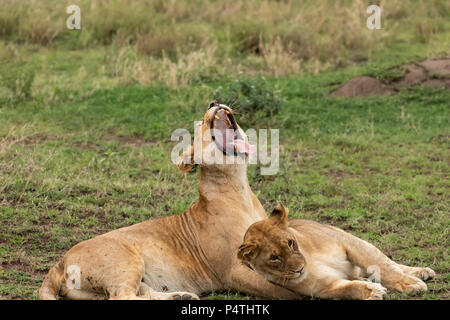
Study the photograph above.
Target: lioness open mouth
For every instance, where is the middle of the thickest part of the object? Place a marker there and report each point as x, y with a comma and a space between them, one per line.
226, 134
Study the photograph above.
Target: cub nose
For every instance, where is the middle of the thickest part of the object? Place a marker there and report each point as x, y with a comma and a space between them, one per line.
299, 271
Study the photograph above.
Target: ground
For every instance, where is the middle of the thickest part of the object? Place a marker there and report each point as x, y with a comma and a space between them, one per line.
85, 127
377, 167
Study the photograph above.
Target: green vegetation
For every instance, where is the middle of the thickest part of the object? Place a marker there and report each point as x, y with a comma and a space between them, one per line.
86, 118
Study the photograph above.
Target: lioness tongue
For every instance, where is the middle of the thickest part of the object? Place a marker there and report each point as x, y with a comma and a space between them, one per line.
243, 146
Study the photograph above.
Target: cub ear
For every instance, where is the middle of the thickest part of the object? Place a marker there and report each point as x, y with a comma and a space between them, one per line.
247, 251
279, 215
186, 160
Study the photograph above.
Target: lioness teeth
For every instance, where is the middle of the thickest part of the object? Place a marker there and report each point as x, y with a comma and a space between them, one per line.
227, 112
216, 116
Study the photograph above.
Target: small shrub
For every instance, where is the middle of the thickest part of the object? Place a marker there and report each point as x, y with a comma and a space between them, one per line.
251, 98
391, 75
18, 81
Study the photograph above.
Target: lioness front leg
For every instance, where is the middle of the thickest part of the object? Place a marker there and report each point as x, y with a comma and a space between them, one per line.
353, 289
248, 281
418, 272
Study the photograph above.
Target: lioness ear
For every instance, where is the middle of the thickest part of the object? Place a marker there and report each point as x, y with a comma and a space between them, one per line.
186, 160
247, 251
280, 215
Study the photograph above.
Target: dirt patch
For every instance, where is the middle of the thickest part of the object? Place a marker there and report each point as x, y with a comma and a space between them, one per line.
362, 87
433, 73
135, 141
440, 67
440, 139
412, 74
122, 142
24, 267
445, 83
27, 140
86, 146
339, 174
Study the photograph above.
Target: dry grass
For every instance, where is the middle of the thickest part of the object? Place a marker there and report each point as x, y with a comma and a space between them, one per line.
129, 67
182, 38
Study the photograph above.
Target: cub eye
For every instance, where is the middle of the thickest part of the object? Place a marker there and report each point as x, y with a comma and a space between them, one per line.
291, 244
274, 258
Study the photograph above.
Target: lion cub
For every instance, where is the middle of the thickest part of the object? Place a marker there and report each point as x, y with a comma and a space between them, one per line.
323, 261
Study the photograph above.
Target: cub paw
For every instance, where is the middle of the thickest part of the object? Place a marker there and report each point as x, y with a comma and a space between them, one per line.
375, 291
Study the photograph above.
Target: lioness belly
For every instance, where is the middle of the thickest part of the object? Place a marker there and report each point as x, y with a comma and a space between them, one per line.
164, 275
173, 280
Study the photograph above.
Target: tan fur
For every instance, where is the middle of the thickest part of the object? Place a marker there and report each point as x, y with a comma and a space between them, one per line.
326, 263
176, 257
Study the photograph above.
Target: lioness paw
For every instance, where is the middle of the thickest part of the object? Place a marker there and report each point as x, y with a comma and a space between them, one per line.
185, 296
175, 296
424, 274
410, 284
375, 291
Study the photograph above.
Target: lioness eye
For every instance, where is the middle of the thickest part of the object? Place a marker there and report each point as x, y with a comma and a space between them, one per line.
274, 258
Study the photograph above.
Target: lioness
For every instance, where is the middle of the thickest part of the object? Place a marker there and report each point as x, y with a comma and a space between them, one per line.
180, 256
323, 261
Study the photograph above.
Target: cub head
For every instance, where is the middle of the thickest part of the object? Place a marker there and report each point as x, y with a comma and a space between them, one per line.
272, 250
218, 141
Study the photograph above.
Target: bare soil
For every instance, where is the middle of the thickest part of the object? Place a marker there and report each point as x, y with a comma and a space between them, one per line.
434, 73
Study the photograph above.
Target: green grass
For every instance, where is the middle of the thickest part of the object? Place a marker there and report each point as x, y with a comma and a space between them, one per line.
76, 169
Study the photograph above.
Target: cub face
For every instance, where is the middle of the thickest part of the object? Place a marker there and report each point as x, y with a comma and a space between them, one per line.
271, 249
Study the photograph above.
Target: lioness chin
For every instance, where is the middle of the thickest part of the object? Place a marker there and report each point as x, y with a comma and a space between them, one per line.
322, 261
